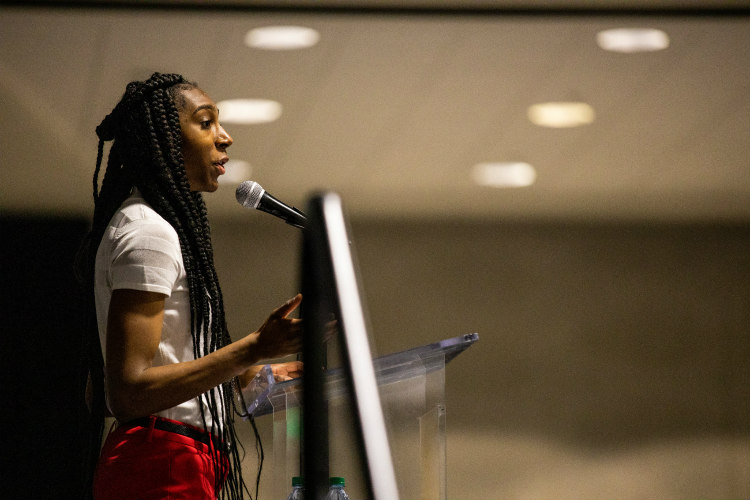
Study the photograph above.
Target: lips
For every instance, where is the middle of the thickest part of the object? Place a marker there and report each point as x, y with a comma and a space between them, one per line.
220, 166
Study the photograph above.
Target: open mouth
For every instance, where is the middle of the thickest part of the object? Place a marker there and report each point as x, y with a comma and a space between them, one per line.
220, 166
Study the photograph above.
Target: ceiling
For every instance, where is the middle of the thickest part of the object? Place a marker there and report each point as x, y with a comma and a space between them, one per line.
392, 108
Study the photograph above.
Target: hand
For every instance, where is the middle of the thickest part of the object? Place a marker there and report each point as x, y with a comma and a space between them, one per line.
280, 335
281, 373
287, 371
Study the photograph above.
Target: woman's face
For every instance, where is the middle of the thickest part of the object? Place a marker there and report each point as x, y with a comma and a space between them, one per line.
204, 140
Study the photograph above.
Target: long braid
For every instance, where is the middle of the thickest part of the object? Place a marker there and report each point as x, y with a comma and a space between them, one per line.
147, 154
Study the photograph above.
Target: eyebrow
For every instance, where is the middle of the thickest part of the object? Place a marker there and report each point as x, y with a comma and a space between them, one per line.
206, 106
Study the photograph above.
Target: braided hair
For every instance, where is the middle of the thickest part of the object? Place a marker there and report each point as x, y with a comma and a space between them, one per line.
147, 154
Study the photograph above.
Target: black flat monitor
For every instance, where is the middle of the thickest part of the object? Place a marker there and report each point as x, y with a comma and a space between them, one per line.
331, 290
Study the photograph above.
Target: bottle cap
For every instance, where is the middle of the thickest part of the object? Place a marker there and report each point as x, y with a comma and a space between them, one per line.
297, 481
336, 481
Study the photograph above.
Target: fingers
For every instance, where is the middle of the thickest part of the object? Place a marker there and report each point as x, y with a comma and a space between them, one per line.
293, 368
286, 309
287, 371
280, 335
294, 345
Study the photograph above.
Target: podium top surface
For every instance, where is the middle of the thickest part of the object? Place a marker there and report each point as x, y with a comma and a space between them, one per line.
389, 368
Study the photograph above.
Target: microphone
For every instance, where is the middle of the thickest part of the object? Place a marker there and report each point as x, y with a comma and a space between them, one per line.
250, 194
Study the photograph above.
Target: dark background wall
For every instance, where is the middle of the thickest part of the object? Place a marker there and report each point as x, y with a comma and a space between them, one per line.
41, 314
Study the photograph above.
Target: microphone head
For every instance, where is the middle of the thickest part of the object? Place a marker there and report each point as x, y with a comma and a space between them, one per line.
249, 193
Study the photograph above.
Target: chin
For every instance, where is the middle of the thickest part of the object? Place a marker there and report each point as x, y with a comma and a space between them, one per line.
206, 188
210, 186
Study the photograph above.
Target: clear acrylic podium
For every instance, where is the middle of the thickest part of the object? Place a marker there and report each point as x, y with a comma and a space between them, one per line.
411, 385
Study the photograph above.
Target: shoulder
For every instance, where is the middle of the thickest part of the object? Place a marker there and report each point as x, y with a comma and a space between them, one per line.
141, 250
137, 221
136, 213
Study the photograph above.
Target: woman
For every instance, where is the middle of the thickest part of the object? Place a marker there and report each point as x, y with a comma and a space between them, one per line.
159, 345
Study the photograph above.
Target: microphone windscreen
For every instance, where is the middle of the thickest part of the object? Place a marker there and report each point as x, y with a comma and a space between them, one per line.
249, 193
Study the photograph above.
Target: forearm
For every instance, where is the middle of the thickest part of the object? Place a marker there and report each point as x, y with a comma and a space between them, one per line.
156, 388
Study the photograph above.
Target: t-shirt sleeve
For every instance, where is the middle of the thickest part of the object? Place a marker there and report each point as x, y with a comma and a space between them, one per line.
146, 256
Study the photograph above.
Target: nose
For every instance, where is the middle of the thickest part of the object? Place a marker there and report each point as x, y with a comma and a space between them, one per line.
223, 139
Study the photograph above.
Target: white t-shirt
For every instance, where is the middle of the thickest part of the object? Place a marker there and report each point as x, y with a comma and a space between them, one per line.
141, 251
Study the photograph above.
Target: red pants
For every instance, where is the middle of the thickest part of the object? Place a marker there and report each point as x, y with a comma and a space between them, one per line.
144, 463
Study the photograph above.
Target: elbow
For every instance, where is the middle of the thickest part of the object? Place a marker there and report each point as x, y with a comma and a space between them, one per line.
121, 410
123, 404
123, 415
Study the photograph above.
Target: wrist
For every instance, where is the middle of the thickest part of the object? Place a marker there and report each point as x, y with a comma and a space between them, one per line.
247, 353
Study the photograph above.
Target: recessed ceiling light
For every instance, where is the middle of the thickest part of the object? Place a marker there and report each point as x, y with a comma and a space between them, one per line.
281, 37
248, 111
236, 171
503, 174
629, 40
561, 114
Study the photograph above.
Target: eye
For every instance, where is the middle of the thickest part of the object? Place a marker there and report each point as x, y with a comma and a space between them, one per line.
206, 124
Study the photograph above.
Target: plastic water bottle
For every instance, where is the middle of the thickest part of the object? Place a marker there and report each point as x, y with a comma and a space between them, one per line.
336, 489
298, 492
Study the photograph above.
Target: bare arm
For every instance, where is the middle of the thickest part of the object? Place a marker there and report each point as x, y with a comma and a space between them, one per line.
136, 388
